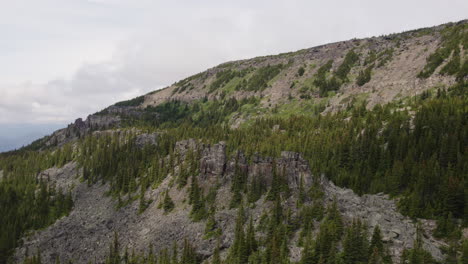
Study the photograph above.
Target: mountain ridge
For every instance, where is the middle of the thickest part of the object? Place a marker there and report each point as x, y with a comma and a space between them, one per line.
291, 158
380, 89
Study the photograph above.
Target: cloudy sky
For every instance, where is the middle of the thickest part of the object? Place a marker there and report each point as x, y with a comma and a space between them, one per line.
63, 59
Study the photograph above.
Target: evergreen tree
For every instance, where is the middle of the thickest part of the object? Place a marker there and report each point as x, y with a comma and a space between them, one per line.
375, 257
174, 256
335, 220
308, 256
417, 255
376, 244
143, 204
196, 199
355, 245
216, 259
464, 255
188, 254
238, 252
211, 228
114, 251
251, 242
167, 204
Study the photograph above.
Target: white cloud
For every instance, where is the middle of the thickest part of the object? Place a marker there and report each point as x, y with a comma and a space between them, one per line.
63, 59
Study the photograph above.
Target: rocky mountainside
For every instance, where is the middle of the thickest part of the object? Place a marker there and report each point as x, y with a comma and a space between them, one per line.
383, 69
350, 152
86, 232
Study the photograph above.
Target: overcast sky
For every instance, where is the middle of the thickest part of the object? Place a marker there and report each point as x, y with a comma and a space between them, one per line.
63, 59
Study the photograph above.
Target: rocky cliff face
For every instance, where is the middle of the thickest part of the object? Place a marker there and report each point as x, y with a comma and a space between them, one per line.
81, 128
85, 234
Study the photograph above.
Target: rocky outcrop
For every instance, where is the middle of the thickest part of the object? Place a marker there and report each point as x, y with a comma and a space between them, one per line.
81, 128
109, 118
183, 146
295, 169
261, 167
399, 232
146, 140
64, 178
86, 233
214, 164
213, 161
99, 122
126, 111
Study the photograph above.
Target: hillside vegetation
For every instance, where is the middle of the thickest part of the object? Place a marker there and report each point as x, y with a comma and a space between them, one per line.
235, 159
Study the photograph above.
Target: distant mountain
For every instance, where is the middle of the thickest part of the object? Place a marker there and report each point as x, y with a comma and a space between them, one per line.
15, 136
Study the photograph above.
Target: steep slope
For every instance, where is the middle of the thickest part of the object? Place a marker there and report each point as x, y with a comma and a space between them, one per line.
383, 69
354, 151
83, 236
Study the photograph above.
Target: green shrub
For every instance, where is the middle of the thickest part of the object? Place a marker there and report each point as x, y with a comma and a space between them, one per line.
301, 71
324, 69
325, 85
453, 66
350, 59
364, 76
168, 204
463, 72
434, 61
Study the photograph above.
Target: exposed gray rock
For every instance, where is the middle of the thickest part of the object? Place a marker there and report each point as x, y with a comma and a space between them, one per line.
213, 161
64, 178
295, 168
81, 128
102, 121
86, 233
146, 139
290, 165
398, 231
183, 146
261, 167
126, 111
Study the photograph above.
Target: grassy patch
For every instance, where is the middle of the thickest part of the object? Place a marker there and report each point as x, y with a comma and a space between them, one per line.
230, 87
300, 107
